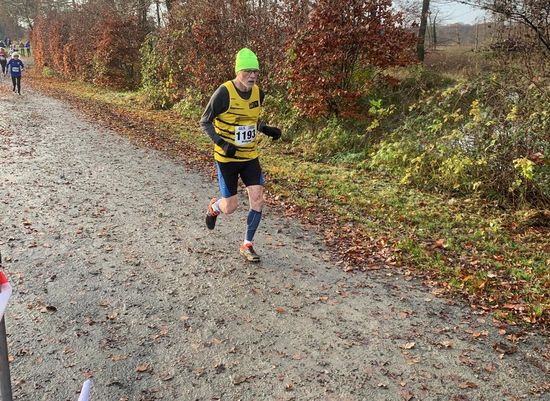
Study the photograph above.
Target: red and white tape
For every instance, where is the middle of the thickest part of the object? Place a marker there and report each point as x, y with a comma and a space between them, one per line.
5, 293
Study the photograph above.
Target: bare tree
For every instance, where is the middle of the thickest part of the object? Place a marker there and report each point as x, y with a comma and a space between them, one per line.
433, 21
26, 11
534, 14
420, 50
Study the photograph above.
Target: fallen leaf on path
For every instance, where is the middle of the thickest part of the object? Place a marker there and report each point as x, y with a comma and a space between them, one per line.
166, 376
280, 310
491, 368
214, 341
503, 348
408, 345
466, 385
240, 379
411, 360
466, 360
144, 367
48, 308
219, 368
517, 307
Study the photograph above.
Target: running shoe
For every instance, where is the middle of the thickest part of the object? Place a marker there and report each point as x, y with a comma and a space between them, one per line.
247, 250
211, 215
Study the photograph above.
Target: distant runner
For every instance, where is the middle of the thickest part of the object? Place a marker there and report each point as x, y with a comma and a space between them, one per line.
15, 67
231, 120
3, 60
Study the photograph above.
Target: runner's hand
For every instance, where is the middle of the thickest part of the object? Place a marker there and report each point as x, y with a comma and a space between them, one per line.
273, 132
228, 149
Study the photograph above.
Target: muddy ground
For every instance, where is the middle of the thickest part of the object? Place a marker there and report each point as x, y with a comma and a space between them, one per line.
116, 278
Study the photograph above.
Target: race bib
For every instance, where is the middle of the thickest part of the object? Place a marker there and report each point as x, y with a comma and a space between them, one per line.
245, 134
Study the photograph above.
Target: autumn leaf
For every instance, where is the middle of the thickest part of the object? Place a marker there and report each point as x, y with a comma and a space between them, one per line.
142, 368
166, 376
504, 348
239, 379
406, 395
48, 309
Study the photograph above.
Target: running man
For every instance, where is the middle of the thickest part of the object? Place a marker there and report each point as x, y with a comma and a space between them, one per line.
231, 120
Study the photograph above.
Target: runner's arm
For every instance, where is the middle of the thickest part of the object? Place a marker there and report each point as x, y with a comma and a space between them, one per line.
218, 103
273, 132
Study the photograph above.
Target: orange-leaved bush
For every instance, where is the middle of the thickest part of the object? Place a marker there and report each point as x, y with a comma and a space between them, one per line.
330, 55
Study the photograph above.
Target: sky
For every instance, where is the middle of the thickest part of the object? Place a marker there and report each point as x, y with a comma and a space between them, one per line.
451, 12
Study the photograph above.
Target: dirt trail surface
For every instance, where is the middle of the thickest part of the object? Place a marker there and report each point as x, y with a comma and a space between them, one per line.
116, 278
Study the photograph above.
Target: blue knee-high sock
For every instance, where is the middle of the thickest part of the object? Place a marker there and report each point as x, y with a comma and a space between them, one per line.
252, 223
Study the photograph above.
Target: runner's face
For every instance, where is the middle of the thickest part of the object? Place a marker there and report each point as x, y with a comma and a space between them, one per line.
247, 78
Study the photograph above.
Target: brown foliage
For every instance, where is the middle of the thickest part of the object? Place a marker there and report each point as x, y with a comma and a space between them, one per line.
201, 39
90, 44
319, 50
116, 56
340, 41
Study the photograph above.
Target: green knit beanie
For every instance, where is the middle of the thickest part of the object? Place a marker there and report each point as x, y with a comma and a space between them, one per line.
246, 60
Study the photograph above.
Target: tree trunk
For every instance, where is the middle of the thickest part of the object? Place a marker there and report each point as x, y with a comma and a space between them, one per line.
142, 7
434, 29
158, 12
422, 30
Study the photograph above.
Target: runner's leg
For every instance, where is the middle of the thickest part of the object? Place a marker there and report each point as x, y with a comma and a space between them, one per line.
227, 179
253, 178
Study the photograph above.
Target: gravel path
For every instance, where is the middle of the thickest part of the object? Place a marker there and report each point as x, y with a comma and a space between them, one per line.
116, 278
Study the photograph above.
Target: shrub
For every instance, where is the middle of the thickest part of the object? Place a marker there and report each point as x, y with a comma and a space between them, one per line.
90, 43
154, 84
489, 135
190, 106
47, 72
116, 56
339, 41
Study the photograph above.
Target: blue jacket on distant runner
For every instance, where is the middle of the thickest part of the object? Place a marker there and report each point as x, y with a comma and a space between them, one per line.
15, 66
